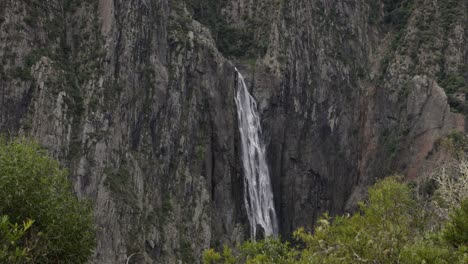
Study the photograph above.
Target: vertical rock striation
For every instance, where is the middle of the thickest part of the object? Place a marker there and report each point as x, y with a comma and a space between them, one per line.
137, 99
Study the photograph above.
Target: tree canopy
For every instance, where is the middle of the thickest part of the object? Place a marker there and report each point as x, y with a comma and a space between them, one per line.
392, 226
42, 221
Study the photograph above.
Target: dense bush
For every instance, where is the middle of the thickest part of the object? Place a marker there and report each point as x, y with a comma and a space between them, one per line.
456, 231
33, 186
393, 226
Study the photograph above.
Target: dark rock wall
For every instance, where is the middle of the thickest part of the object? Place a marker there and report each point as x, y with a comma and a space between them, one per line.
136, 98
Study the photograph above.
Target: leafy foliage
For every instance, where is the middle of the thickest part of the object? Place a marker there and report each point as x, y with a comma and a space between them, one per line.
391, 227
233, 41
211, 256
456, 232
10, 235
33, 186
378, 233
453, 83
431, 250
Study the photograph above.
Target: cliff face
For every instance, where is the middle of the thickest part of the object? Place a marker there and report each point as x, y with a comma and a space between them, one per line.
137, 101
357, 96
136, 98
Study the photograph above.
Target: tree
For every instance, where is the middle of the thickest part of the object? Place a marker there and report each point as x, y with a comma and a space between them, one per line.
450, 245
34, 186
377, 233
456, 231
388, 228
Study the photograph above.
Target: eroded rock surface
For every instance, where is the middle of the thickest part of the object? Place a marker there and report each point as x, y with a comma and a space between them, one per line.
137, 99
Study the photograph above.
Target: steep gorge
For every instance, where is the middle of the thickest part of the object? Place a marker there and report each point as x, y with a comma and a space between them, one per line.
136, 98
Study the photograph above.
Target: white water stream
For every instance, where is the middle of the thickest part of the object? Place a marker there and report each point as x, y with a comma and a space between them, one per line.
258, 195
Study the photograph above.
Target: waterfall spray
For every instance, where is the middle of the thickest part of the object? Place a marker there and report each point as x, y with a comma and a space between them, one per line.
258, 194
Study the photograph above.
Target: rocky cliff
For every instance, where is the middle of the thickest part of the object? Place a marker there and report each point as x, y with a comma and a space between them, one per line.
136, 98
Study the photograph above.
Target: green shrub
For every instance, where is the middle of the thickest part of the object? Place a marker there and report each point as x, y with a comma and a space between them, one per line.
212, 257
10, 235
456, 231
33, 186
233, 41
428, 251
378, 233
387, 229
453, 84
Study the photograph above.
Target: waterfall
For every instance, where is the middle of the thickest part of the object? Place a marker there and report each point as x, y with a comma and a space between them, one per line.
258, 194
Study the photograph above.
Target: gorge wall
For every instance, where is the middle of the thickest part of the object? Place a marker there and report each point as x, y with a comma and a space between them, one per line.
136, 98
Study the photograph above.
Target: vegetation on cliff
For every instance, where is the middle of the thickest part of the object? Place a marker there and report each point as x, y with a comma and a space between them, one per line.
422, 222
41, 220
